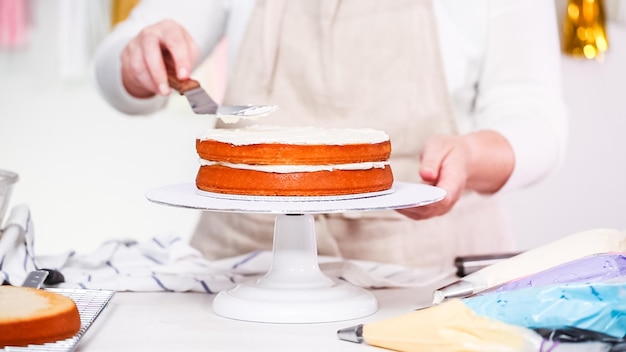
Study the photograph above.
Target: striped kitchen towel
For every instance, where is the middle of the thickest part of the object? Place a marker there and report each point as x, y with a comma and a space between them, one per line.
169, 263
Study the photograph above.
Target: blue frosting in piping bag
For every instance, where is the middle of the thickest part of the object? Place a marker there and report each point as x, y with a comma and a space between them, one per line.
597, 306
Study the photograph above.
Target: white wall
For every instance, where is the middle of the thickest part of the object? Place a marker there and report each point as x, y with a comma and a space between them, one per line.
84, 168
589, 189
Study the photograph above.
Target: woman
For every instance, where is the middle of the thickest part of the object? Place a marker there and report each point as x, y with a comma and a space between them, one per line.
469, 93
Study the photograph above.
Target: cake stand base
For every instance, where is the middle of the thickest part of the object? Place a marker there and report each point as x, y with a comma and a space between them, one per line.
295, 290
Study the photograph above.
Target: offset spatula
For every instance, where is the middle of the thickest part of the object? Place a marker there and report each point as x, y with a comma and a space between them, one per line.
202, 103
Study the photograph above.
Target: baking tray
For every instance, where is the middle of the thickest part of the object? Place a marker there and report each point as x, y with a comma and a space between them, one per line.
90, 304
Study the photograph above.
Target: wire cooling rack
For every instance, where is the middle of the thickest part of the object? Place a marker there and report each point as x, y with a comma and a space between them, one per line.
90, 304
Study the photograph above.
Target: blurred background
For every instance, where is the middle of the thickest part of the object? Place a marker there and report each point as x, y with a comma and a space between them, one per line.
84, 167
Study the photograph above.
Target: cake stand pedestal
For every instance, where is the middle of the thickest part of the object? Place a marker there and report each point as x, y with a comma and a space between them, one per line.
295, 290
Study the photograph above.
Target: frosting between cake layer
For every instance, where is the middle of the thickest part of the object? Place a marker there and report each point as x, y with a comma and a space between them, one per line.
260, 134
284, 169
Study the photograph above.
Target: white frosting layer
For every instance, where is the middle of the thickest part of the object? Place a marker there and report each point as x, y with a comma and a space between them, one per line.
235, 118
285, 169
251, 113
260, 134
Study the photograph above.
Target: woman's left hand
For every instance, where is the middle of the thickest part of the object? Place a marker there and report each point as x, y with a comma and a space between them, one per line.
481, 161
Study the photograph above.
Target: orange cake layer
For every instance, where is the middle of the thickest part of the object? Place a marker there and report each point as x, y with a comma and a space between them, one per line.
32, 316
220, 179
294, 161
292, 154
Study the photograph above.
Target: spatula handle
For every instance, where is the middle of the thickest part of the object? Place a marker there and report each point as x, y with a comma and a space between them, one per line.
181, 86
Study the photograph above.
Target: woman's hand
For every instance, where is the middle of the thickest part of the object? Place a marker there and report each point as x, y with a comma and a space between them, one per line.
143, 71
482, 161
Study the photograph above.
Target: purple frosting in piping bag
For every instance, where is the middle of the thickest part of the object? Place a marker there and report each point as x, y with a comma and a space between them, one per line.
593, 268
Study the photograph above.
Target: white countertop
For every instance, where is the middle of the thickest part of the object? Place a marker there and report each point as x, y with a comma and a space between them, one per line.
137, 321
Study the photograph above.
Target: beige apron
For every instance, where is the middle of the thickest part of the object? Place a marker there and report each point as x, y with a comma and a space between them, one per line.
355, 63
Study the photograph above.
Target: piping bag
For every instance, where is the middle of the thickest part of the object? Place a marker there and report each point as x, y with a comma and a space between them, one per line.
593, 268
539, 259
450, 326
507, 320
581, 301
598, 306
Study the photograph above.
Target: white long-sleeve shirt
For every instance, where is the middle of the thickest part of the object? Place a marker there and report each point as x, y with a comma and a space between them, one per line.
501, 63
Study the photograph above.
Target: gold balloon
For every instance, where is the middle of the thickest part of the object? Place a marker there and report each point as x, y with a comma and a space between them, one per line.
584, 29
120, 9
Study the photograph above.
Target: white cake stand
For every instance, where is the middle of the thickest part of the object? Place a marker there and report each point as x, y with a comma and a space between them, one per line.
295, 290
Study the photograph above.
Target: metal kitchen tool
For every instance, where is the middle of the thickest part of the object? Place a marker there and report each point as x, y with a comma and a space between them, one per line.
202, 103
35, 279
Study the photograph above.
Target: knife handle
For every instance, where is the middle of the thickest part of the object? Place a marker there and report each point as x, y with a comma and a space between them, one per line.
468, 264
181, 86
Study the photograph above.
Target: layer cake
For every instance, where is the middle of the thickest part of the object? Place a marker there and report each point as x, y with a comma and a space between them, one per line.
293, 161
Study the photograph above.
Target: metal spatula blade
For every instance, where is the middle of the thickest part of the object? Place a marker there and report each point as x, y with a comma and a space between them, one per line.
35, 279
202, 103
